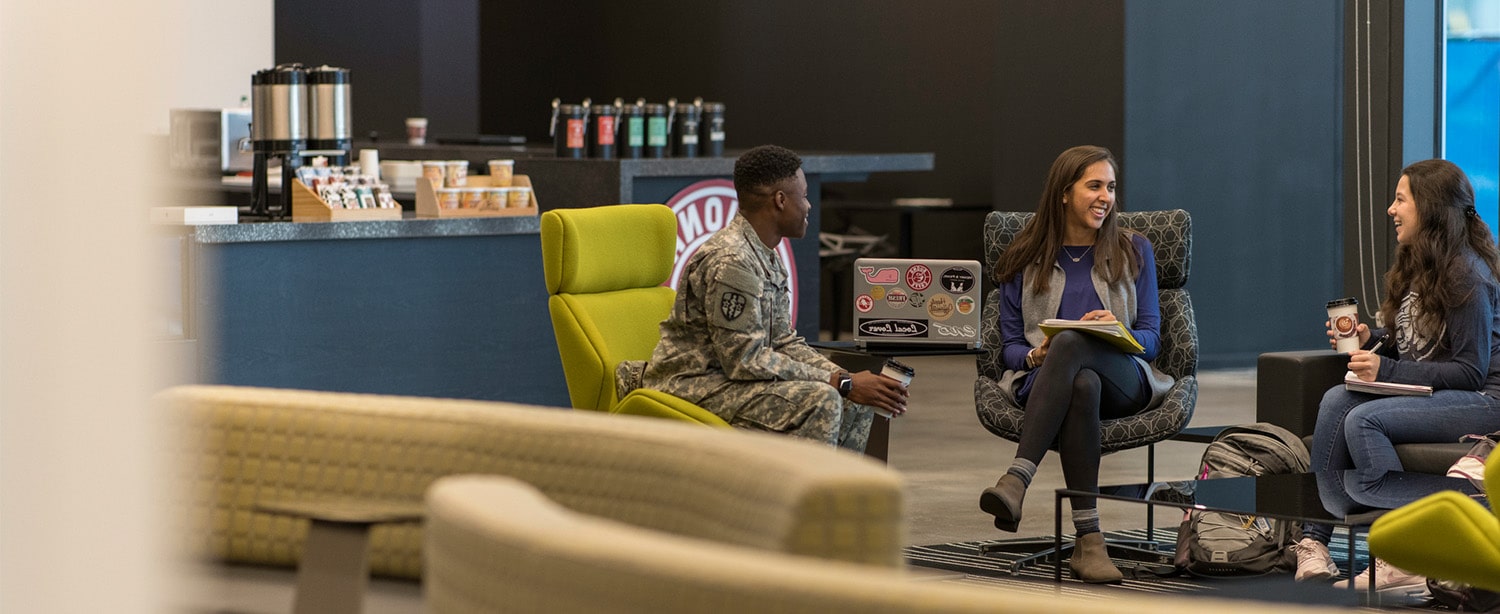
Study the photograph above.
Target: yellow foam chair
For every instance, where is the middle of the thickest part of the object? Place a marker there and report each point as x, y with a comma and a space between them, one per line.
605, 267
1446, 535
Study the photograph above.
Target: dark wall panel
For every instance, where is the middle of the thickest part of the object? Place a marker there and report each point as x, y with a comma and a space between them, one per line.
848, 75
1232, 111
406, 58
377, 41
450, 67
1060, 83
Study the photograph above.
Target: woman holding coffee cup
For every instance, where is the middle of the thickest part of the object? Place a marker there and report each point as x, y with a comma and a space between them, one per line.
1070, 252
1442, 300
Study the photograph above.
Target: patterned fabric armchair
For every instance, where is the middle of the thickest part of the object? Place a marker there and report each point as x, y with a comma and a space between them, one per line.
1171, 235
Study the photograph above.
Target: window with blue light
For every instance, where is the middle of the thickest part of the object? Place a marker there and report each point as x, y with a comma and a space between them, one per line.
1472, 131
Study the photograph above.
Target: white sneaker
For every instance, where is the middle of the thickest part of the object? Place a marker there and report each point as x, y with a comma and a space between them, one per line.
1470, 468
1313, 561
1391, 582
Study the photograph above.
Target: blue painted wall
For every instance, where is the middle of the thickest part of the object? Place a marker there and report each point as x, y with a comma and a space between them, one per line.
1232, 112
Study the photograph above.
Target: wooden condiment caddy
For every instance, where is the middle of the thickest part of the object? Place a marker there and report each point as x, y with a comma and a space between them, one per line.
427, 200
308, 207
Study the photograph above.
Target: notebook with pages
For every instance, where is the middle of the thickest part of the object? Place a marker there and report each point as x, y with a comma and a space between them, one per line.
916, 302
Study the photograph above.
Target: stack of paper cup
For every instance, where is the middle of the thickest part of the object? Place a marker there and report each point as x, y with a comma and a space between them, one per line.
501, 172
369, 161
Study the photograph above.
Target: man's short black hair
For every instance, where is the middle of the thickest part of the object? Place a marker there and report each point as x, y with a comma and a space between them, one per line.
763, 167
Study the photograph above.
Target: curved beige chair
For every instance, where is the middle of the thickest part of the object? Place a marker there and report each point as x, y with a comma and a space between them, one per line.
243, 447
498, 545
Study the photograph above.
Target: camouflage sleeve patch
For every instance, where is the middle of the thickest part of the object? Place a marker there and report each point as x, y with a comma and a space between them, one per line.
734, 299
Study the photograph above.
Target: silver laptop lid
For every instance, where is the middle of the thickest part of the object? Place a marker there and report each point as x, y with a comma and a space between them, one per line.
916, 301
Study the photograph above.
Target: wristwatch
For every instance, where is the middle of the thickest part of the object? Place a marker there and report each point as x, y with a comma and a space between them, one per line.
846, 384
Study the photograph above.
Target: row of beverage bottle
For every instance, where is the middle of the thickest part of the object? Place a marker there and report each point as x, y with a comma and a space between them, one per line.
639, 130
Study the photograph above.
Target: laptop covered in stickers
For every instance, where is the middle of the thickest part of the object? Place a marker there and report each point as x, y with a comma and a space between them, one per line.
916, 302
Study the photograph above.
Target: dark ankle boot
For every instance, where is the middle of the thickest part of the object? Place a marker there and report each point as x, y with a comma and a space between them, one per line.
1003, 501
1090, 561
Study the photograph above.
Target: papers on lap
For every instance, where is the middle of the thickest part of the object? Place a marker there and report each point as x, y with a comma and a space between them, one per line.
1113, 332
1352, 383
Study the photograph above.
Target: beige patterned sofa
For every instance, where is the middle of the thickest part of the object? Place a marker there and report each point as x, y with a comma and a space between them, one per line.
497, 545
241, 447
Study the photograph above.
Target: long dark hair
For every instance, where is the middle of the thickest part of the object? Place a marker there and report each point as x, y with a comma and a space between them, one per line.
1435, 263
1037, 243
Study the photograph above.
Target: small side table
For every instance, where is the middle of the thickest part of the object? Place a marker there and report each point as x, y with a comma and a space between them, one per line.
854, 358
334, 572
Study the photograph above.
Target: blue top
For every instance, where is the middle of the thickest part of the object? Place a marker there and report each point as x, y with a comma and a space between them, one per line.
1078, 298
1468, 357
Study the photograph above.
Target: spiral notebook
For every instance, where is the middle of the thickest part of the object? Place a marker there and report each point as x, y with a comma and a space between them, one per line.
1352, 383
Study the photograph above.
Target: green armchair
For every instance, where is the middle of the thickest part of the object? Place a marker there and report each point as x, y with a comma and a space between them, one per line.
1445, 535
605, 267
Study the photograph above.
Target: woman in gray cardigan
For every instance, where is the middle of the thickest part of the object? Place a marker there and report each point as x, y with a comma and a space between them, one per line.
1073, 261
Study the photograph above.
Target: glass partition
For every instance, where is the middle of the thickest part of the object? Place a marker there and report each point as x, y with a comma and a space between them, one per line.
1472, 93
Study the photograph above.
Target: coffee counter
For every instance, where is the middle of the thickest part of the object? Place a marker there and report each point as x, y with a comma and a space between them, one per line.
409, 227
446, 308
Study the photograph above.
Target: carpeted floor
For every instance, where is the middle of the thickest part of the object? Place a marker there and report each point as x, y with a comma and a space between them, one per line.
968, 566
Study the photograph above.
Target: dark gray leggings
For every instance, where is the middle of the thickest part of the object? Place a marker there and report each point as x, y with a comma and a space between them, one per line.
1081, 381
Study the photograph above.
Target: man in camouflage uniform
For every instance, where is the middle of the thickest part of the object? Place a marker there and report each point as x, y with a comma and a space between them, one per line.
729, 345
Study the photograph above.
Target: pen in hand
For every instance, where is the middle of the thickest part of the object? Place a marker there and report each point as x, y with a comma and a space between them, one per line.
1367, 365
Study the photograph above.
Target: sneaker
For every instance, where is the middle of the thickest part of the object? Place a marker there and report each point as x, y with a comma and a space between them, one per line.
1392, 583
1313, 561
1470, 468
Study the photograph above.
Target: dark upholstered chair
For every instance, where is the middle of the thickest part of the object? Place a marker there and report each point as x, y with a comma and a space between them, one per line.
1289, 386
1171, 236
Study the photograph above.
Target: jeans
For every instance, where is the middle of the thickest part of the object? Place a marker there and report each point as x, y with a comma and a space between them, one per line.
1359, 431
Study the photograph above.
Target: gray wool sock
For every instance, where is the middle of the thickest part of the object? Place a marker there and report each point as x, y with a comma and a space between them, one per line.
1086, 521
1023, 469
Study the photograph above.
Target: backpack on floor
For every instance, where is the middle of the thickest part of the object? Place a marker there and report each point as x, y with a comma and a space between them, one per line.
1219, 544
1461, 597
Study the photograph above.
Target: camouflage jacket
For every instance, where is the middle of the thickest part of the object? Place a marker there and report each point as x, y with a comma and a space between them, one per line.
731, 322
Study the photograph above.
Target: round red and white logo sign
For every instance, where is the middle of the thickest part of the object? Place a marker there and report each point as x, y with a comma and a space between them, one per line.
706, 207
918, 277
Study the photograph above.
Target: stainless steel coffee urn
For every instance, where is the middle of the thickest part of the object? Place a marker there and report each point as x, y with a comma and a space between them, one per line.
328, 106
278, 129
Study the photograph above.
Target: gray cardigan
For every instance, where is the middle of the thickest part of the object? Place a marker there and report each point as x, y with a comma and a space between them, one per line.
1119, 298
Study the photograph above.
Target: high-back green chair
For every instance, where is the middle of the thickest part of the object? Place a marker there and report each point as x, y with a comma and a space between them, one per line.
605, 267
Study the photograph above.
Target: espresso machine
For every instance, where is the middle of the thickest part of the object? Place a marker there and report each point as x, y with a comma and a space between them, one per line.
278, 130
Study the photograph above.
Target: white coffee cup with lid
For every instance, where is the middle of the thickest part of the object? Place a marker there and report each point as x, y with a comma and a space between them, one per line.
1343, 319
416, 131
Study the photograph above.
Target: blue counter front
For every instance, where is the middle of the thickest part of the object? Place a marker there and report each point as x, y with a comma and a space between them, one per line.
444, 308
